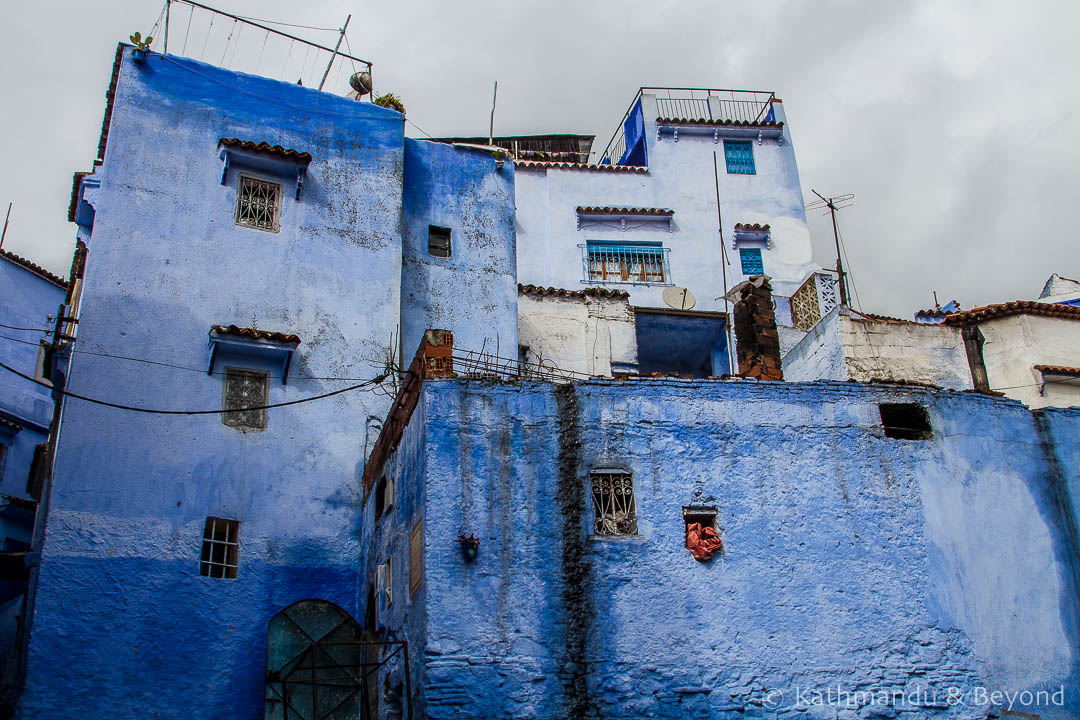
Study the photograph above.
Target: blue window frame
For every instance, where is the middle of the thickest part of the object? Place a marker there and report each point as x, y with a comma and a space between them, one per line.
751, 261
739, 155
626, 263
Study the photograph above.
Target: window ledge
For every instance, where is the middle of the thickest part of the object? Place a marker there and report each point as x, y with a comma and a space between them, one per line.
719, 130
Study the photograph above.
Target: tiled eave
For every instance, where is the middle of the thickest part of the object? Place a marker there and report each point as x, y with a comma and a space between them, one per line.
264, 156
749, 235
255, 334
624, 218
264, 344
539, 165
265, 148
1060, 370
34, 268
719, 129
9, 427
560, 292
1018, 307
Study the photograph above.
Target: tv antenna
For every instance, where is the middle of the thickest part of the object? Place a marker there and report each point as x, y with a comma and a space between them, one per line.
835, 203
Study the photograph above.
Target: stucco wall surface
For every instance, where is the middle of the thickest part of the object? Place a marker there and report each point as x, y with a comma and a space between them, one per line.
125, 625
582, 334
931, 354
472, 293
819, 355
851, 560
1015, 344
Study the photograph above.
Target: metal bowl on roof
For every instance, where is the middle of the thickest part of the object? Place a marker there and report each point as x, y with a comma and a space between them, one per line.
360, 82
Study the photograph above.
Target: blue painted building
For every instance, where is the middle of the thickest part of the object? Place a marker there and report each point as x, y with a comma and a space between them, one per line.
31, 297
319, 533
248, 243
864, 572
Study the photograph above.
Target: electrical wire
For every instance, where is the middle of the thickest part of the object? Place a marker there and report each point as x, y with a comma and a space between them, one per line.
153, 411
12, 327
843, 249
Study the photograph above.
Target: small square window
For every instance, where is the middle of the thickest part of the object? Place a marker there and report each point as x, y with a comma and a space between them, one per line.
905, 421
700, 532
739, 156
244, 392
613, 502
220, 548
751, 261
439, 241
258, 204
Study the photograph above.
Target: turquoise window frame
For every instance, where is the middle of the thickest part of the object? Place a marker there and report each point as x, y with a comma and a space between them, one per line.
739, 156
751, 261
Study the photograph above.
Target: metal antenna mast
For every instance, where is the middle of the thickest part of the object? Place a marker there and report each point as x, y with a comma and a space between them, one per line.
337, 47
4, 233
831, 203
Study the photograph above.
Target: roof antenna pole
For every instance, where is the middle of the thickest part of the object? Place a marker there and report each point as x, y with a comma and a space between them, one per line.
4, 233
491, 124
836, 236
732, 370
336, 48
165, 48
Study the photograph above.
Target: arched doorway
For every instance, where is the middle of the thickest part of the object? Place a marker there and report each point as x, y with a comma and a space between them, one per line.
314, 664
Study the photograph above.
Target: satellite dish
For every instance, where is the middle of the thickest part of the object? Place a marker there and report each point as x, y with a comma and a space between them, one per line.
360, 82
679, 298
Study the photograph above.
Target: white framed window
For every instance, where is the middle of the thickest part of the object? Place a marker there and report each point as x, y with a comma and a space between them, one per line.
220, 548
243, 390
613, 503
258, 204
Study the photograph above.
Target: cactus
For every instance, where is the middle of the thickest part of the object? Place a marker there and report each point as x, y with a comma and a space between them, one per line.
139, 43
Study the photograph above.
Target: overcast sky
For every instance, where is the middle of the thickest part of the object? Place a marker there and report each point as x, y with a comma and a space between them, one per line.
956, 124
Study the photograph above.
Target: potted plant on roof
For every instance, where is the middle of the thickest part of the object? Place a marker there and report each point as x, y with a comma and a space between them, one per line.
141, 46
392, 101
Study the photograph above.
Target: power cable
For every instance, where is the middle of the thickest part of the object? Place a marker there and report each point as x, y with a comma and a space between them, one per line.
12, 327
152, 411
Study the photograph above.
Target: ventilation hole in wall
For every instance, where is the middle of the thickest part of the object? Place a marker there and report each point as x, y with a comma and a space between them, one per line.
905, 421
439, 241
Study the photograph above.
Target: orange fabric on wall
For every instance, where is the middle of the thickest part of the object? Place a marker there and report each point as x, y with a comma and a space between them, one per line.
702, 541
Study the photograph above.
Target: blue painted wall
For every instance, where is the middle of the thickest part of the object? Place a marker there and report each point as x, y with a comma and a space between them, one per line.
131, 492
29, 300
850, 560
472, 293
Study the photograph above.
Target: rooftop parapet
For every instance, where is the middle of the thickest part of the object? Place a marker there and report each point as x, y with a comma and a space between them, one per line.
684, 105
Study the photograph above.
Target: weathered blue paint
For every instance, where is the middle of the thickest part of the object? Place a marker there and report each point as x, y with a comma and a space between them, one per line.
131, 492
472, 293
851, 560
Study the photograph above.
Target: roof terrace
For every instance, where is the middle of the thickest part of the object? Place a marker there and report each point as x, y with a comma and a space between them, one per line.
710, 106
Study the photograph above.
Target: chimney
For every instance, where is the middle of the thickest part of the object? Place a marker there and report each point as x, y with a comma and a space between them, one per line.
438, 353
756, 339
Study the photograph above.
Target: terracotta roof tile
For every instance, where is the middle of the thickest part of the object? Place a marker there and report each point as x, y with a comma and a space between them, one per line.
1058, 370
255, 334
753, 226
560, 292
610, 210
579, 166
1017, 307
34, 268
266, 148
719, 123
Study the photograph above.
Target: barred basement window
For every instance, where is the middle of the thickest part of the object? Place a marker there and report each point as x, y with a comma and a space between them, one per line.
258, 204
613, 502
220, 547
905, 421
439, 241
245, 389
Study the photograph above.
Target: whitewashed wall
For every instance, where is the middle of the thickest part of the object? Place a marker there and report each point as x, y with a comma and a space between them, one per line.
583, 333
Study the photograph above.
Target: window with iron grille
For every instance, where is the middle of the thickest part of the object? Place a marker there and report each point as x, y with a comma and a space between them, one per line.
627, 263
613, 502
439, 241
220, 547
739, 156
242, 391
258, 204
751, 261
